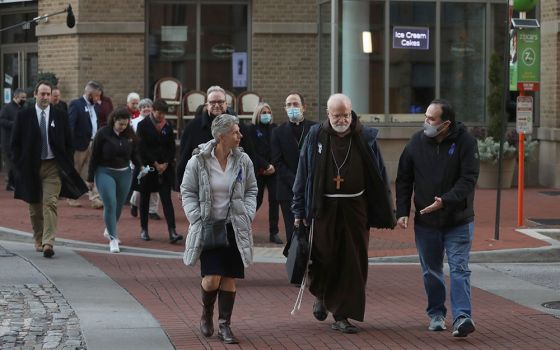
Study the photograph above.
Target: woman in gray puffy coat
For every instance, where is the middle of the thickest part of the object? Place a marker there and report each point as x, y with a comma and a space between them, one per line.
219, 183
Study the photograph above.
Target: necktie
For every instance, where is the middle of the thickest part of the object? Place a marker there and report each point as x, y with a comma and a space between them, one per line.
44, 147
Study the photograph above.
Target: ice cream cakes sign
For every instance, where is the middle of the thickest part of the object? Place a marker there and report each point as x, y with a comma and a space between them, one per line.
416, 38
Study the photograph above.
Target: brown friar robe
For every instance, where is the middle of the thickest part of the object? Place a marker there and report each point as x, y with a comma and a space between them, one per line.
341, 235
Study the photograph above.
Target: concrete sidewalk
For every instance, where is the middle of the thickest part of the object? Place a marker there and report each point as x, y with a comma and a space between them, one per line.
109, 317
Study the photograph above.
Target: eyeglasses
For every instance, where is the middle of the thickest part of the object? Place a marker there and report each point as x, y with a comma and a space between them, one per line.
341, 116
219, 102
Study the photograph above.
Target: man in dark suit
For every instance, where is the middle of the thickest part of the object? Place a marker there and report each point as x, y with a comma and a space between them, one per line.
287, 140
56, 101
84, 124
42, 152
198, 130
7, 118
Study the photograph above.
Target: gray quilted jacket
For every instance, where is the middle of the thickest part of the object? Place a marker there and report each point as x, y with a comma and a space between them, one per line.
197, 201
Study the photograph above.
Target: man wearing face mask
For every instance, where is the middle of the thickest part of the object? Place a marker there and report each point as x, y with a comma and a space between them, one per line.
341, 190
439, 167
84, 123
198, 130
286, 142
8, 116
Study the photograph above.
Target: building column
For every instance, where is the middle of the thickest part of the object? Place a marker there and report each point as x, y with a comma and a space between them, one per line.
355, 63
549, 130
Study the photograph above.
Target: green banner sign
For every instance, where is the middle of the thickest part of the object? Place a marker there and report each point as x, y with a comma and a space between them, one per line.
528, 58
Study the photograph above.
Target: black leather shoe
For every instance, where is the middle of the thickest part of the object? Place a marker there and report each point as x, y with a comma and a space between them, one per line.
134, 210
274, 238
173, 236
319, 310
154, 216
144, 235
345, 327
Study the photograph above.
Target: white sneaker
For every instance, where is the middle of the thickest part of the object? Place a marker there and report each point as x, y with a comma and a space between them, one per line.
106, 235
114, 246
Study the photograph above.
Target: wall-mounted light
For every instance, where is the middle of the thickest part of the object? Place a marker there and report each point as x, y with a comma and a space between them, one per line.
367, 46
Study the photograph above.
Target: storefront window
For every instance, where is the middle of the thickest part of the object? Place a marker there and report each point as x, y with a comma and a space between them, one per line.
224, 55
172, 43
411, 72
463, 70
198, 58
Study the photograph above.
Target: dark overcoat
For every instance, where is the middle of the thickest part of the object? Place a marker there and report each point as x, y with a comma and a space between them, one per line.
285, 157
156, 146
26, 155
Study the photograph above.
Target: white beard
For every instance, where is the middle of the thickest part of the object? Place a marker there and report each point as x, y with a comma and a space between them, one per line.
340, 128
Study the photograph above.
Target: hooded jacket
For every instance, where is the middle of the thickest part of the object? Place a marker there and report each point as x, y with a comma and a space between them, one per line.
448, 170
196, 195
307, 194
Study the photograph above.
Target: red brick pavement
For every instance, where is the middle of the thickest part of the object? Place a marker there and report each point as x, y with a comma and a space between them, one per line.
394, 318
86, 224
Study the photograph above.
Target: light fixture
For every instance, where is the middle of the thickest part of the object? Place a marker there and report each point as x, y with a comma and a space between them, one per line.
367, 46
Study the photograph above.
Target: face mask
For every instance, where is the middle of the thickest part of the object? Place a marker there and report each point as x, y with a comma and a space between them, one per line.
21, 103
266, 118
294, 114
432, 130
340, 128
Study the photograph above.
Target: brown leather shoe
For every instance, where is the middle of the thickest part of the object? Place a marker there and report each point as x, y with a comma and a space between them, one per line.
345, 327
48, 251
38, 246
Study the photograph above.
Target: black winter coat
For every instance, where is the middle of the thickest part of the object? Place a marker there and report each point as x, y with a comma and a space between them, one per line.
448, 170
26, 154
154, 146
7, 118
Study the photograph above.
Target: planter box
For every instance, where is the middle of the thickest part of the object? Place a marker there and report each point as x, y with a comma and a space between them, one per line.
488, 177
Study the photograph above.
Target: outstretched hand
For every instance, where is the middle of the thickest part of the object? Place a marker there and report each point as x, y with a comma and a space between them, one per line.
436, 205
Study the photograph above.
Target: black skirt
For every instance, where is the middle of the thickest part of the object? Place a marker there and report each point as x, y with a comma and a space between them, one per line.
224, 262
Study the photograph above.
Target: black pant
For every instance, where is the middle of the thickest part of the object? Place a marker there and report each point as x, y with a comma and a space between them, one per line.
270, 183
288, 220
165, 197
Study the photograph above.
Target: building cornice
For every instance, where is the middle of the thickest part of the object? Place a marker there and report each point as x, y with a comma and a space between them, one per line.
56, 29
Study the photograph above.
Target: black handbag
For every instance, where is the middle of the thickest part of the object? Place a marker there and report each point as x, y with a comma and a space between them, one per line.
298, 254
214, 235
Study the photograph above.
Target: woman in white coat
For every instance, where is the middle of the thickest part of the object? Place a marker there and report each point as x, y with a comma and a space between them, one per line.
219, 183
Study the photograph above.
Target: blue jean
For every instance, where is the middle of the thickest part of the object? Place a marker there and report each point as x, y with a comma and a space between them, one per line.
113, 186
431, 244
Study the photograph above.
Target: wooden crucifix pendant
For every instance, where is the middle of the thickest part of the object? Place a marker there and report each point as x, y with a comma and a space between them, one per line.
338, 180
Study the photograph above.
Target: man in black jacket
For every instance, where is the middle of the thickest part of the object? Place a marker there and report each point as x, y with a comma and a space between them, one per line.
8, 116
199, 129
440, 165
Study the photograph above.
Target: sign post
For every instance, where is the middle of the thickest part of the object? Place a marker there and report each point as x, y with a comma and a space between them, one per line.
528, 73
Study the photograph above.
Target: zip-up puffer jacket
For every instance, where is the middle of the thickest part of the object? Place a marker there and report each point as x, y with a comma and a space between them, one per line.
448, 170
197, 201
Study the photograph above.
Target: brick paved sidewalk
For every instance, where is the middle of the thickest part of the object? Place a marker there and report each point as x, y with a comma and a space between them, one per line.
86, 224
394, 318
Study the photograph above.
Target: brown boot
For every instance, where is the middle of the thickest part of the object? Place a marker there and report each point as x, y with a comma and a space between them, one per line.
225, 308
206, 321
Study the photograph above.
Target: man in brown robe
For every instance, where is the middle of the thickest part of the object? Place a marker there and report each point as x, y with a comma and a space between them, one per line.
342, 186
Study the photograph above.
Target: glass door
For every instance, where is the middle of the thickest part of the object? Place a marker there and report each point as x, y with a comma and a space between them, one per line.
20, 64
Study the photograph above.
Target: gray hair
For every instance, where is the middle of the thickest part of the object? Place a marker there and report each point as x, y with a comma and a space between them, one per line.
215, 88
222, 124
132, 96
92, 86
145, 102
339, 98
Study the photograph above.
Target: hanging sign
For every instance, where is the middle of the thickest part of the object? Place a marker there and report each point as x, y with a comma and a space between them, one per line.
528, 59
417, 38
